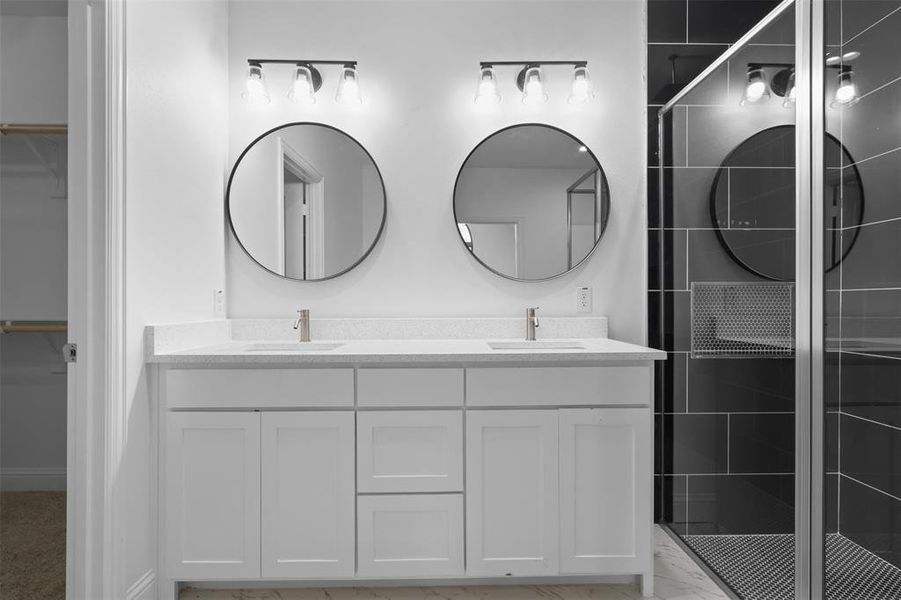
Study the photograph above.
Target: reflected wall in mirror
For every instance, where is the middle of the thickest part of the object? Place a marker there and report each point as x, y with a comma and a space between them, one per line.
752, 203
531, 202
306, 201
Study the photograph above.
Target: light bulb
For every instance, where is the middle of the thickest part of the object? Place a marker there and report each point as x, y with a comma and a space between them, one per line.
303, 89
533, 87
255, 86
757, 89
487, 91
846, 93
348, 86
582, 88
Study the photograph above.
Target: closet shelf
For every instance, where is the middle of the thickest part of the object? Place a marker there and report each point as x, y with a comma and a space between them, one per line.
33, 327
10, 129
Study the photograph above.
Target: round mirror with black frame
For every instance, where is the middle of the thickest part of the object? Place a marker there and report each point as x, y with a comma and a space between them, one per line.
531, 202
752, 203
306, 201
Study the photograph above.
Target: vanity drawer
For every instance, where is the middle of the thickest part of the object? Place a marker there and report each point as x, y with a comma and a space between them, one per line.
411, 535
410, 387
559, 386
258, 388
410, 451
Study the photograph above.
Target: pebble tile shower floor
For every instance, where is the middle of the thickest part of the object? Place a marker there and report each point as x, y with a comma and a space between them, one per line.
761, 567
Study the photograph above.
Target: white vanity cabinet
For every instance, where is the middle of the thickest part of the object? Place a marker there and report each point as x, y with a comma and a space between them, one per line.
307, 494
212, 506
357, 472
511, 492
605, 493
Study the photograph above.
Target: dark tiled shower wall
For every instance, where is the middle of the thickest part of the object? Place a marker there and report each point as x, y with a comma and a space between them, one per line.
865, 413
724, 428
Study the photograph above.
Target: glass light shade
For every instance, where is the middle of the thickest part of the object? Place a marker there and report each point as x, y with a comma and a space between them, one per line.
349, 86
846, 93
487, 91
303, 90
533, 87
757, 88
582, 88
255, 90
791, 93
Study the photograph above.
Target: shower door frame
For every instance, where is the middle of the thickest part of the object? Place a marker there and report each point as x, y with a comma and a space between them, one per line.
809, 564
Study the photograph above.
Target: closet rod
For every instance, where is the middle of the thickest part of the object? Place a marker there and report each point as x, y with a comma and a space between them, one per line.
7, 129
33, 327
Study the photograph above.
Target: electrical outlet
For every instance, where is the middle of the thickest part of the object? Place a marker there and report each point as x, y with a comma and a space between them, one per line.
583, 299
219, 303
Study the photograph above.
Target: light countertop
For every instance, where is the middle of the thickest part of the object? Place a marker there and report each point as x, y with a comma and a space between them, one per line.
387, 351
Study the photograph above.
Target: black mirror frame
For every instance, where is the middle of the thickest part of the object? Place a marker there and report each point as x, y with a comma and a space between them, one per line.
231, 223
597, 242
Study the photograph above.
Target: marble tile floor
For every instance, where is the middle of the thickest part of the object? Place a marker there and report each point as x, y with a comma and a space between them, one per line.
676, 577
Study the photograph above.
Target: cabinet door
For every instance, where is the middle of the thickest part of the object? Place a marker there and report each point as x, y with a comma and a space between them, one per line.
308, 494
511, 492
412, 535
410, 451
212, 510
605, 490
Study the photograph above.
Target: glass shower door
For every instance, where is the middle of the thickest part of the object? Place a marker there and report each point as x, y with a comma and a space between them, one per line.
726, 308
861, 103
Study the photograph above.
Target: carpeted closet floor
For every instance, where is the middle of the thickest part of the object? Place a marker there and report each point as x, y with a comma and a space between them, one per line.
32, 545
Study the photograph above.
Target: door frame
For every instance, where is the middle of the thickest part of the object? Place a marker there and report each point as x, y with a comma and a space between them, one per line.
315, 200
96, 419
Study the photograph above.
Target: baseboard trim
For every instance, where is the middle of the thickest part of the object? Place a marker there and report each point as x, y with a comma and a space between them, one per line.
144, 588
32, 480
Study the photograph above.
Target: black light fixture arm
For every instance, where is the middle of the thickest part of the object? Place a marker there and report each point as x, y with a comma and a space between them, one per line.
531, 63
286, 61
791, 66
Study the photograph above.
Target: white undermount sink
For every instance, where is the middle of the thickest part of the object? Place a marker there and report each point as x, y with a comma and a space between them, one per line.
536, 345
292, 346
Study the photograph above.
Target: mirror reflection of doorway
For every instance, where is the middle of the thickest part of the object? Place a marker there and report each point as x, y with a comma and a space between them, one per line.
301, 239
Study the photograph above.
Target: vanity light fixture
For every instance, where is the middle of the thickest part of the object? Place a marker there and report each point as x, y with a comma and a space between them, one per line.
533, 86
582, 88
791, 94
757, 88
305, 82
255, 90
487, 91
846, 93
530, 81
349, 86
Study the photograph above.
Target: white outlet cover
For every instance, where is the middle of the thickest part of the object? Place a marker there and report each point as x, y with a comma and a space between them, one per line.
583, 299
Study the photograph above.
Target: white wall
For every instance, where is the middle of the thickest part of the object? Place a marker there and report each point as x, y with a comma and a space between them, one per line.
33, 68
418, 66
175, 178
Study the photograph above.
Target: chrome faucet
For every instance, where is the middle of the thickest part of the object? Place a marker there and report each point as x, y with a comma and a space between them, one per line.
302, 325
531, 323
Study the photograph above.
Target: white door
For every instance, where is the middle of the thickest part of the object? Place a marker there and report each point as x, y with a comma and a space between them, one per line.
212, 510
308, 494
605, 490
511, 492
